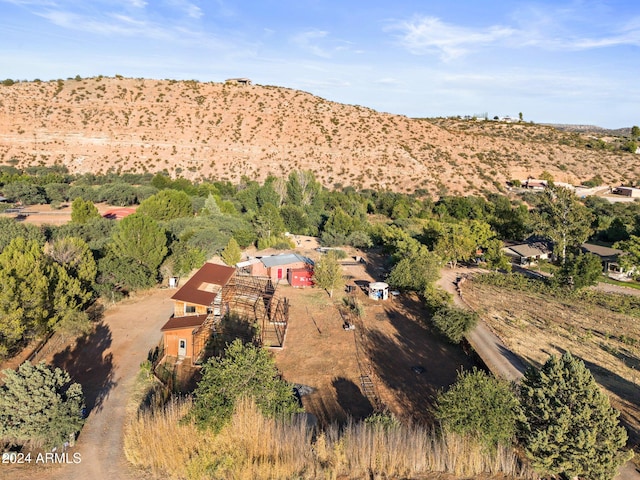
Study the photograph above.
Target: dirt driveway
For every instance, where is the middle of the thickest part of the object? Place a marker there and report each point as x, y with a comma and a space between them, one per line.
106, 363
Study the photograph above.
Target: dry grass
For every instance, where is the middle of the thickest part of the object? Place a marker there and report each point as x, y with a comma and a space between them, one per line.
535, 326
254, 447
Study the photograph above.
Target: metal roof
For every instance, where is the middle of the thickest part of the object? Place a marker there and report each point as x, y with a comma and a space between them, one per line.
284, 259
201, 288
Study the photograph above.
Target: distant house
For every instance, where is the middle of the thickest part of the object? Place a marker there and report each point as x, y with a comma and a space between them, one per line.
608, 256
534, 184
627, 191
196, 307
276, 267
238, 81
527, 253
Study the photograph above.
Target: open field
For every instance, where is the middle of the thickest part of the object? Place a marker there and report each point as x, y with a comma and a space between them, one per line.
387, 342
45, 215
535, 326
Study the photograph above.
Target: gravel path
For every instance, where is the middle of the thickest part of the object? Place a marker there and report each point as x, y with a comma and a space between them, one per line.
106, 364
498, 358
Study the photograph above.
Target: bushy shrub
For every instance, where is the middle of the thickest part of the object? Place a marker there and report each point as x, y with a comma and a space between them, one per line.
454, 322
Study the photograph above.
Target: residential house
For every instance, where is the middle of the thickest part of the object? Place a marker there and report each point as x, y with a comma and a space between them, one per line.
627, 191
196, 307
609, 258
276, 267
527, 253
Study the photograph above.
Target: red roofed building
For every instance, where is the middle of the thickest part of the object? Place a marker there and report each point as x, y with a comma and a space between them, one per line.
198, 305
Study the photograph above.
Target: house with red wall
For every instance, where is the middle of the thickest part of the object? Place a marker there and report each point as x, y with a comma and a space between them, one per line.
278, 267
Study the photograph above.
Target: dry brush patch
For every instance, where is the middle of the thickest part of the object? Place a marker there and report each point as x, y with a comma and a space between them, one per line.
535, 325
254, 447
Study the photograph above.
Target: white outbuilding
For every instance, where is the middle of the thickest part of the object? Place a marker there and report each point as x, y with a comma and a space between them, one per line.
379, 291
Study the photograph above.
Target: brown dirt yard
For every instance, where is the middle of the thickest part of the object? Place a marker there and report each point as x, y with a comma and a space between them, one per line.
45, 215
388, 340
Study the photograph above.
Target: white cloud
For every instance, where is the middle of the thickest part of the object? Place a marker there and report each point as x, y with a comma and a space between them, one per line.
309, 41
424, 35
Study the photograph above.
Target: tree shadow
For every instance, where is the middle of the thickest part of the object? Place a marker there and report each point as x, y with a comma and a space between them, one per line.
88, 365
417, 362
351, 400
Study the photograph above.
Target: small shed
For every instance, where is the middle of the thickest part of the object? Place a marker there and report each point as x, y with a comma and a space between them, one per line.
379, 290
300, 277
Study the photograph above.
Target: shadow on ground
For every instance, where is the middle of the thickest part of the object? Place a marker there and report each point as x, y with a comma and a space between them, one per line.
88, 365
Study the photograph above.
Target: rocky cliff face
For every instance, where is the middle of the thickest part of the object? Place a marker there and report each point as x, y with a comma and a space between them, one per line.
224, 131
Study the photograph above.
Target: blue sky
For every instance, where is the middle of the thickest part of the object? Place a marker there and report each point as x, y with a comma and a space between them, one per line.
554, 61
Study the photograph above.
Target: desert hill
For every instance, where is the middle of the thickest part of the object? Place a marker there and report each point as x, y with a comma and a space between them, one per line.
200, 130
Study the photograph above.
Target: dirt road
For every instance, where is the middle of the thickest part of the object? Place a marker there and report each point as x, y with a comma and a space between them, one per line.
106, 363
499, 359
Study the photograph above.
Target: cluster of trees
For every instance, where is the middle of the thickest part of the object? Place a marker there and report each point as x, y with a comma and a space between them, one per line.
558, 415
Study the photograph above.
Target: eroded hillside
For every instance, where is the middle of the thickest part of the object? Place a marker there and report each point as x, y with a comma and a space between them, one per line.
199, 130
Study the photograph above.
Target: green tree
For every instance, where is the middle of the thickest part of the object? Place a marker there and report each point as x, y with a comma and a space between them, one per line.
232, 253
24, 192
635, 131
482, 406
39, 406
570, 428
268, 222
454, 322
631, 258
139, 238
10, 229
26, 304
494, 255
563, 219
327, 273
211, 206
415, 271
581, 270
167, 205
456, 243
244, 370
83, 211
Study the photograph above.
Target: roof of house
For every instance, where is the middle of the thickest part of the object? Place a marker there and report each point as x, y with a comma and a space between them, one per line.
284, 259
202, 288
527, 250
600, 250
178, 323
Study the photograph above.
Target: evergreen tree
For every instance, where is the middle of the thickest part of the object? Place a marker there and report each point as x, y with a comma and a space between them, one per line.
139, 238
82, 211
570, 428
25, 297
39, 406
232, 253
166, 205
327, 273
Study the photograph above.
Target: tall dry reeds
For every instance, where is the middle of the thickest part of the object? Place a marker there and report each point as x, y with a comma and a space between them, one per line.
254, 447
